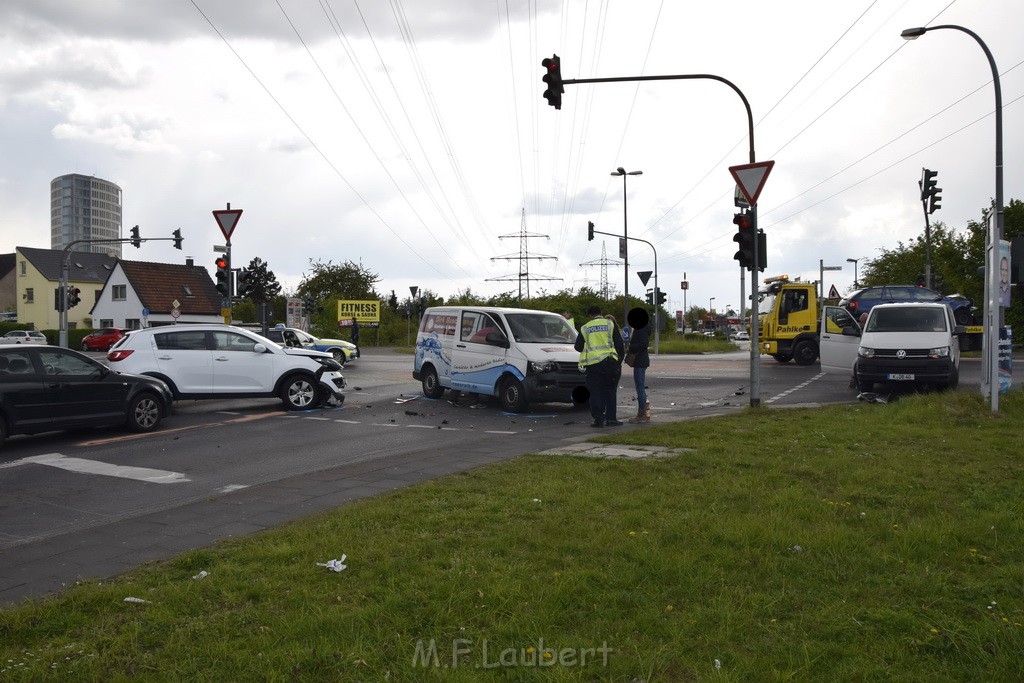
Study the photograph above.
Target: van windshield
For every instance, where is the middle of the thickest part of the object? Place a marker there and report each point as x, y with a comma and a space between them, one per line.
909, 319
540, 328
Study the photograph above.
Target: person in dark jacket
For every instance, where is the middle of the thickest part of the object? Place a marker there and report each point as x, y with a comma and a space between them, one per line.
638, 343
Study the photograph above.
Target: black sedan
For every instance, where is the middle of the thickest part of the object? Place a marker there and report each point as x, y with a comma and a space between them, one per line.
45, 388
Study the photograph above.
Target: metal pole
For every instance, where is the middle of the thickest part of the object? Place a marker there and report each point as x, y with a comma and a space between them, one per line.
625, 251
755, 323
993, 313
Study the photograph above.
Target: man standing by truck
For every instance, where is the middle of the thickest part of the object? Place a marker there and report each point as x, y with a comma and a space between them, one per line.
600, 346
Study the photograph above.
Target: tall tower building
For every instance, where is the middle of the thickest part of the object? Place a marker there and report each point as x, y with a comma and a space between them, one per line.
85, 208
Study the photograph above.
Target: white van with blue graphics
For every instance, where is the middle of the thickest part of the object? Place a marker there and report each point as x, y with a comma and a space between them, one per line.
518, 355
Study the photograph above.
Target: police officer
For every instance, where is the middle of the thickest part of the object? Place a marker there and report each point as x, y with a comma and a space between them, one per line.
600, 346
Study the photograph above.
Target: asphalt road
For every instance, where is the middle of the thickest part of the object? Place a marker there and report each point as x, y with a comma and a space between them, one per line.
88, 496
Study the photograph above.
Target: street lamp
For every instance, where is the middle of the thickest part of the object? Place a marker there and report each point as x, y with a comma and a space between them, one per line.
854, 262
625, 238
993, 314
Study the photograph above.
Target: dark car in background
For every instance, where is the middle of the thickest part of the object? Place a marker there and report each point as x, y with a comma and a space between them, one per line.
862, 300
46, 388
102, 339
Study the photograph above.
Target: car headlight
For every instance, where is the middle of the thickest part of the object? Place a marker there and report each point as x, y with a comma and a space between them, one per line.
329, 364
538, 366
865, 352
939, 352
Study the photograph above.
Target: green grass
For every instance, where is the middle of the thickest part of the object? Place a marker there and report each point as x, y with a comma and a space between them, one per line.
849, 542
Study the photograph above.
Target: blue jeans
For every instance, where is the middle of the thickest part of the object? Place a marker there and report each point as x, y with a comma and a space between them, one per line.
640, 380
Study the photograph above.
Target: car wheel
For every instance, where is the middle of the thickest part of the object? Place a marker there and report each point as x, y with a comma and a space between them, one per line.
300, 393
805, 353
513, 395
338, 355
782, 357
962, 316
85, 347
431, 385
144, 413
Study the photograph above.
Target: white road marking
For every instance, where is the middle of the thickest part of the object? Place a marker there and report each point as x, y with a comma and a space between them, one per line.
349, 422
232, 487
799, 386
107, 469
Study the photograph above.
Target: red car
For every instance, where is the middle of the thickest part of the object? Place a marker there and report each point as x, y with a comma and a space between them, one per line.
102, 339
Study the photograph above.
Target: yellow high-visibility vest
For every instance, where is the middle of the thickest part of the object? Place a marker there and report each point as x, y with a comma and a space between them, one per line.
597, 342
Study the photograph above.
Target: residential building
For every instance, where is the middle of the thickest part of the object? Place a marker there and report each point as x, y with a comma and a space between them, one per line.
85, 208
37, 277
140, 294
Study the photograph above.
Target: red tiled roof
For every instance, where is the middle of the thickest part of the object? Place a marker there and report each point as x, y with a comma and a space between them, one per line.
158, 285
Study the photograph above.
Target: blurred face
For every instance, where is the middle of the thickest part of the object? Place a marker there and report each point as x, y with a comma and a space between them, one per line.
1004, 271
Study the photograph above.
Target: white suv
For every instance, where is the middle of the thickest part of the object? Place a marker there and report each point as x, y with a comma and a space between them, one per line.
218, 361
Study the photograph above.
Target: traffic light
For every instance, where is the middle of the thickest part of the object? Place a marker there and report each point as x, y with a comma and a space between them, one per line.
650, 297
590, 231
927, 183
553, 77
934, 199
745, 235
920, 280
243, 282
177, 238
136, 240
660, 296
74, 296
58, 300
762, 250
929, 191
223, 276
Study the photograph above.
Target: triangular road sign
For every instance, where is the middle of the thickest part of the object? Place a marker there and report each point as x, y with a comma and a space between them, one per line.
750, 178
227, 219
645, 275
833, 293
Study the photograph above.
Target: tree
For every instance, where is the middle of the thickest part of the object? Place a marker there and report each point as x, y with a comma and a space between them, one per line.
263, 284
345, 281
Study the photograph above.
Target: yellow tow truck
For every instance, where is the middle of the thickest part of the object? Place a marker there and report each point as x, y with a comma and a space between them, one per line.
788, 313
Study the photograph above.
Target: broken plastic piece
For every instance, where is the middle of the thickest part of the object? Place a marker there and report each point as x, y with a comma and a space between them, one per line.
334, 565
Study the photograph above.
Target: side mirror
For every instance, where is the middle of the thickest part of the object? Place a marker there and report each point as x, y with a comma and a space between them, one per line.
259, 348
959, 330
496, 339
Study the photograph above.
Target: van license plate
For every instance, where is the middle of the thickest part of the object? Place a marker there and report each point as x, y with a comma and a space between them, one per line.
899, 377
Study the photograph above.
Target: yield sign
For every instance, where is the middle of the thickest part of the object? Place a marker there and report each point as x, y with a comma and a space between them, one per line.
227, 219
645, 275
750, 178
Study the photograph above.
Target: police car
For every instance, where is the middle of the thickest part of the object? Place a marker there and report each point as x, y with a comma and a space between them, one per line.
342, 351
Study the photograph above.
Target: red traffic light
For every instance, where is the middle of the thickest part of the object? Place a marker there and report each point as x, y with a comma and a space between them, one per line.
221, 262
742, 221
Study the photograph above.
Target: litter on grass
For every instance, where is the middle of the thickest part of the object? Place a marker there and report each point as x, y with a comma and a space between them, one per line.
201, 575
137, 600
334, 565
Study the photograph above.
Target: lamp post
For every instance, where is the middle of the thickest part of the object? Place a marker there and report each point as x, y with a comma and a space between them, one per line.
625, 239
710, 309
993, 313
854, 262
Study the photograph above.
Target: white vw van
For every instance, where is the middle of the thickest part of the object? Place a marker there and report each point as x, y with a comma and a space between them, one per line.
911, 343
518, 355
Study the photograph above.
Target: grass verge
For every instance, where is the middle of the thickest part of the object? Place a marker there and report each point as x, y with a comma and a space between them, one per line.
847, 542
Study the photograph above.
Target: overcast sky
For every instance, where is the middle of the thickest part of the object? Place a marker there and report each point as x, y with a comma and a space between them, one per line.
411, 135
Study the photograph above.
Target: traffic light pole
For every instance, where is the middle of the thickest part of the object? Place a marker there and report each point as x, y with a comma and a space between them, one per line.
657, 324
556, 101
62, 333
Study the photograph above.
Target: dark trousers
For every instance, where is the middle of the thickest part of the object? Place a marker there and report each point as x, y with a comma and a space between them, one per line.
602, 382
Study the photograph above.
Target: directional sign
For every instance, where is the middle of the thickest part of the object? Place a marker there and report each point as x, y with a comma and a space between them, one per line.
227, 219
750, 178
